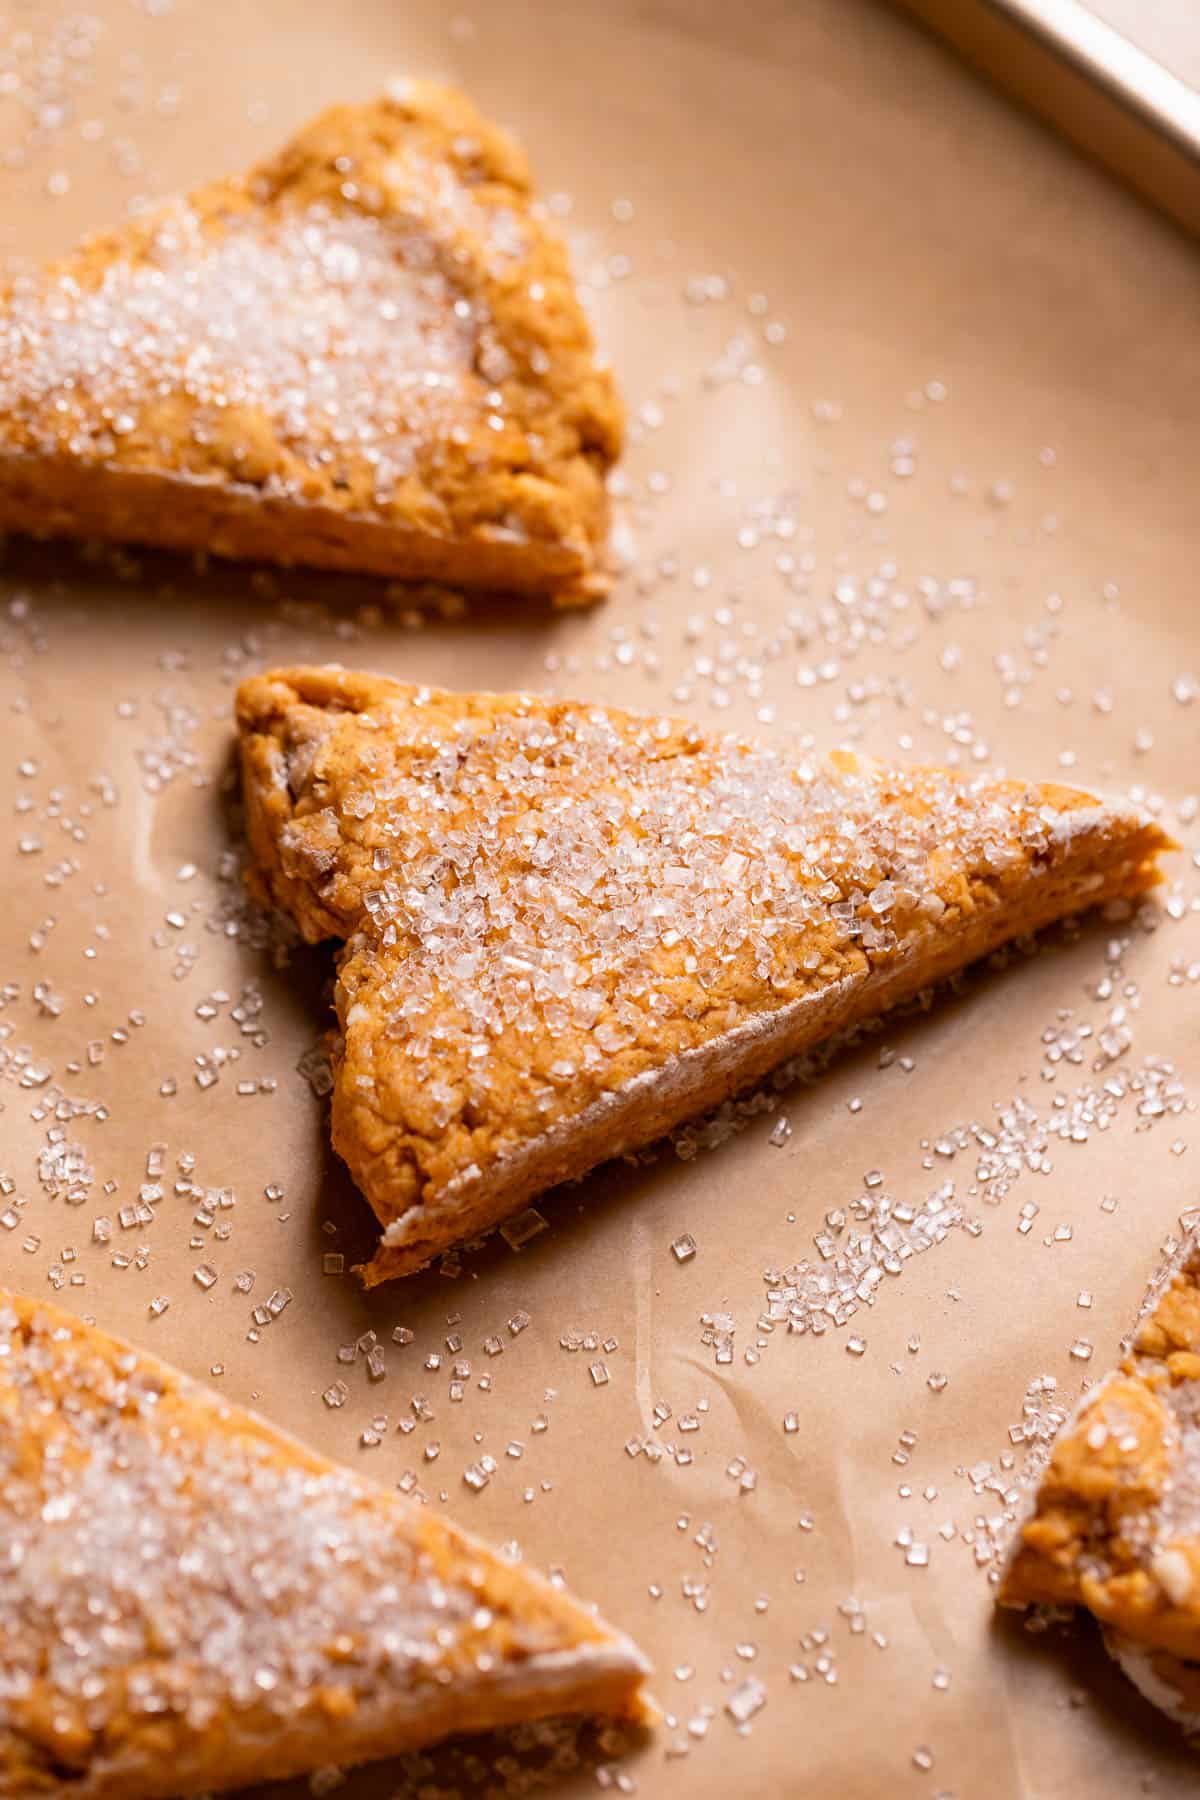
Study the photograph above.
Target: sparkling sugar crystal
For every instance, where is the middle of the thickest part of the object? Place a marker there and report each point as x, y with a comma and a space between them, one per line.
748, 1698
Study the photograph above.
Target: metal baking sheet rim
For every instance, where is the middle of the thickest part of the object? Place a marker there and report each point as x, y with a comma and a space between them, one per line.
1110, 98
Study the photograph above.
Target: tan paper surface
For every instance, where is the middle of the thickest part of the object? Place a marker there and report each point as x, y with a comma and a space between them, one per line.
828, 267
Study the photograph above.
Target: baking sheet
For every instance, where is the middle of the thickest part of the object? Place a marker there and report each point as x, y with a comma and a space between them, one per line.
1115, 80
1163, 28
914, 400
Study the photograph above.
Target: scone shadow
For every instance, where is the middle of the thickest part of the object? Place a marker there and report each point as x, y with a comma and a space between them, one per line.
548, 1754
1065, 1663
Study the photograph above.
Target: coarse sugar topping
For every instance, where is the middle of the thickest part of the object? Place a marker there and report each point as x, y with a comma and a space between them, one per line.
570, 870
169, 1561
579, 893
375, 321
334, 330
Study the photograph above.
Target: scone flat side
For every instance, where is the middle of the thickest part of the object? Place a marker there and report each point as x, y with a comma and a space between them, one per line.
216, 516
503, 486
516, 1648
589, 1680
314, 740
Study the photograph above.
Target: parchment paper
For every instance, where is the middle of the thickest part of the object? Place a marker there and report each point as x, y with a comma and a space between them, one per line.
914, 396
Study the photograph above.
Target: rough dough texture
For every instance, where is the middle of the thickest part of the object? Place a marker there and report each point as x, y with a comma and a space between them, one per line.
193, 1601
366, 354
567, 928
1115, 1525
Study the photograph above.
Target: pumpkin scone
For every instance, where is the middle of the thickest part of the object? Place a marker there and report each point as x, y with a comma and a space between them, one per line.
365, 354
192, 1601
568, 928
1115, 1522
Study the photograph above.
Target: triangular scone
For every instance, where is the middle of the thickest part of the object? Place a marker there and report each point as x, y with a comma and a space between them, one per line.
191, 1601
568, 928
1115, 1524
365, 354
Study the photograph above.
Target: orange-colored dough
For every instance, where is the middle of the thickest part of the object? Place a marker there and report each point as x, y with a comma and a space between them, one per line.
567, 928
366, 354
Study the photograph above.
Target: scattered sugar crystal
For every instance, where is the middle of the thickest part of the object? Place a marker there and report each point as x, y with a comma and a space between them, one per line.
746, 1699
518, 1232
